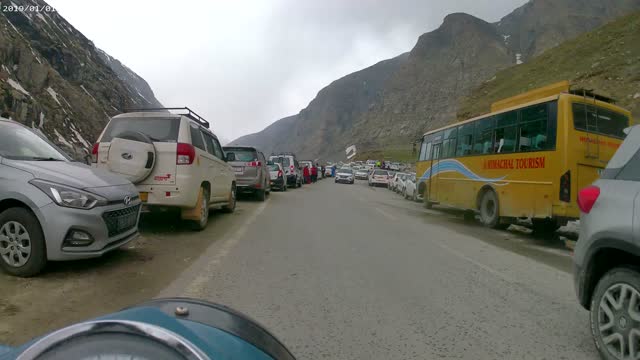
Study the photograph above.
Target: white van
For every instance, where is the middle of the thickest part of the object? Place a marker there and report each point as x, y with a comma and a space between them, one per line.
173, 159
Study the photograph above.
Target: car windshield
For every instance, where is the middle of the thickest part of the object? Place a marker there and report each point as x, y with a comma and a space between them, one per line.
282, 160
242, 154
380, 172
157, 129
20, 143
345, 171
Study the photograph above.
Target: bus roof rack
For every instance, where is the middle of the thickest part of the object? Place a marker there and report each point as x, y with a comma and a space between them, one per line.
185, 112
591, 94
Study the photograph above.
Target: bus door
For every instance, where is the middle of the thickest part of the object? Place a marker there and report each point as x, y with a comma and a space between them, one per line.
435, 161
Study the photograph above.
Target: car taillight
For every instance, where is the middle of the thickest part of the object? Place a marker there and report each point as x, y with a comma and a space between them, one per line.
94, 153
291, 169
587, 198
186, 153
279, 173
565, 187
254, 164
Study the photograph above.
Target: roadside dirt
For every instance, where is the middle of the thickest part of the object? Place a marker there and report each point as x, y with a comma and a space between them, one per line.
68, 292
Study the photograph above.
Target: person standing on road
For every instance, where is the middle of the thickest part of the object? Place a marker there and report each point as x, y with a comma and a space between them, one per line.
314, 173
306, 174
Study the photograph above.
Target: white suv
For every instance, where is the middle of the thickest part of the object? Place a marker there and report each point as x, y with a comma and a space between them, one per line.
173, 159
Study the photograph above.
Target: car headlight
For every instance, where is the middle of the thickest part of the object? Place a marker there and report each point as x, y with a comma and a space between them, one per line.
69, 196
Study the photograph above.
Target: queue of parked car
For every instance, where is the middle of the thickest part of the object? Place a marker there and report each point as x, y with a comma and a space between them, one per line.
156, 160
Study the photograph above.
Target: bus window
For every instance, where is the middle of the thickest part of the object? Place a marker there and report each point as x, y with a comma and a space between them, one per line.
599, 120
465, 139
533, 128
449, 144
506, 132
483, 143
425, 148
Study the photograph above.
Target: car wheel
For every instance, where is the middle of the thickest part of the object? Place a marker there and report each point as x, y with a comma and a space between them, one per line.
404, 194
490, 209
615, 314
261, 195
22, 245
284, 187
544, 226
203, 210
231, 206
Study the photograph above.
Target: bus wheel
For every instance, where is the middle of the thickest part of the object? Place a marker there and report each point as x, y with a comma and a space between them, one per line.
425, 200
490, 209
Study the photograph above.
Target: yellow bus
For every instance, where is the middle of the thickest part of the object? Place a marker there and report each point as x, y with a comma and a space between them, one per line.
528, 158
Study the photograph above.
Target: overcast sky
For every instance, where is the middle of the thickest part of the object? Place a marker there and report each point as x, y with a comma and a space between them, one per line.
244, 64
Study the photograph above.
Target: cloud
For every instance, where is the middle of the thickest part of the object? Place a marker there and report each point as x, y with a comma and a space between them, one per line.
245, 64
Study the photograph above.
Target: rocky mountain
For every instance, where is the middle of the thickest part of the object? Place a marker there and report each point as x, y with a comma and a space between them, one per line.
328, 119
425, 86
606, 59
54, 79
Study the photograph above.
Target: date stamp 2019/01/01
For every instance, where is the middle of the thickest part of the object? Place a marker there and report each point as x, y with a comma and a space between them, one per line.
12, 7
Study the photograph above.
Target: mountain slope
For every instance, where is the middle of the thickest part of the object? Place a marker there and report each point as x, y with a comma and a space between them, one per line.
329, 116
424, 91
53, 78
606, 59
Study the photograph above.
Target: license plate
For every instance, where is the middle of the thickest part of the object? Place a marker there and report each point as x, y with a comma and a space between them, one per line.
238, 169
126, 222
144, 196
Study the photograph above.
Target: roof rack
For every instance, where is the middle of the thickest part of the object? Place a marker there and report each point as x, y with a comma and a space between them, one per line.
189, 113
591, 93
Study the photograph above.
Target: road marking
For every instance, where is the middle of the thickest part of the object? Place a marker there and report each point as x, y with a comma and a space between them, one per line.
480, 265
216, 254
386, 214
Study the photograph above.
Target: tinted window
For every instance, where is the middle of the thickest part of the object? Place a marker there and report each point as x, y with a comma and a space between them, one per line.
242, 154
465, 139
380, 172
483, 139
196, 137
217, 149
506, 132
20, 143
599, 120
208, 139
157, 129
533, 129
631, 171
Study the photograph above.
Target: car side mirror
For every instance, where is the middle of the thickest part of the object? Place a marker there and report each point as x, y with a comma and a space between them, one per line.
231, 157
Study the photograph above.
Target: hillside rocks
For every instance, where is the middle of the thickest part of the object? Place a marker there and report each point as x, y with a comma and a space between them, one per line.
54, 79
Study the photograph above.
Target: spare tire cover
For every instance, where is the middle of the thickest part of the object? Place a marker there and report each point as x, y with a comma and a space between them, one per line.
131, 155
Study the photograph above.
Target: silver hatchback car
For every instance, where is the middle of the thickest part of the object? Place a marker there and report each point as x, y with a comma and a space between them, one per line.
607, 254
52, 208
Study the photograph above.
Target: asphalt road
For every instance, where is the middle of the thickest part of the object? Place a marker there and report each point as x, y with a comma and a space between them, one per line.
352, 272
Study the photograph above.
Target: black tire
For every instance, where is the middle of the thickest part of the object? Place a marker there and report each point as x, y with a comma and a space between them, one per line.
261, 195
490, 209
231, 206
38, 257
284, 187
199, 225
621, 276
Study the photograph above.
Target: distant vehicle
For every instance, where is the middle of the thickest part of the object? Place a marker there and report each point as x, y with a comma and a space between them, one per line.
328, 171
250, 167
379, 178
371, 162
344, 176
52, 208
392, 175
607, 254
528, 158
397, 183
292, 169
277, 177
362, 174
410, 188
306, 163
174, 160
394, 166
